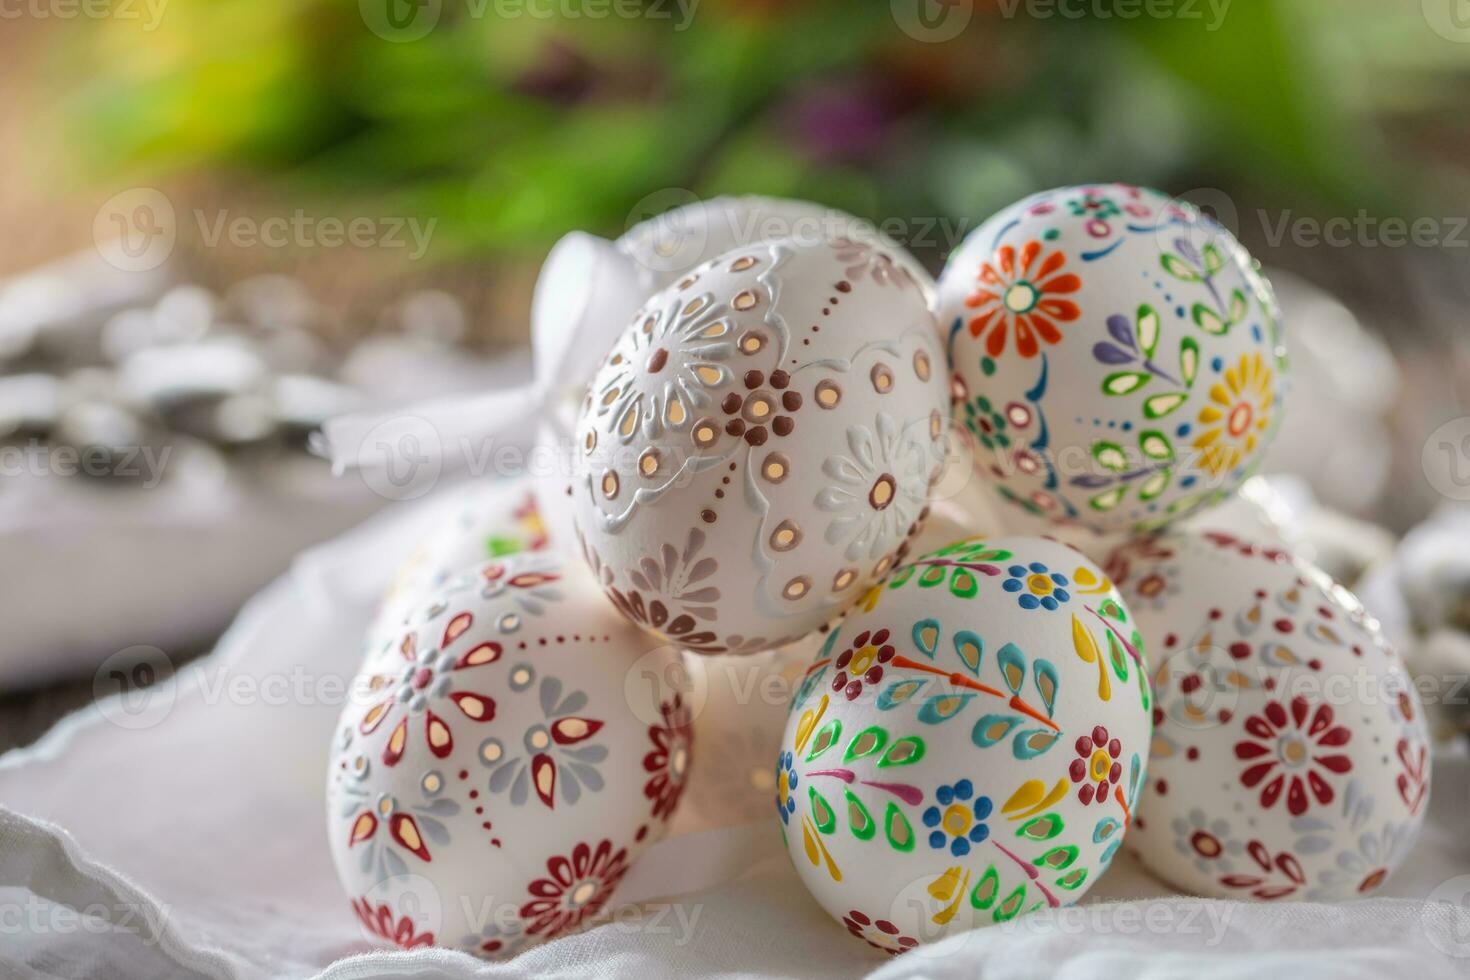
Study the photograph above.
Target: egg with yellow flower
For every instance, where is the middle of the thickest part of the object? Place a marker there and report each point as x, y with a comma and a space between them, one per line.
1117, 356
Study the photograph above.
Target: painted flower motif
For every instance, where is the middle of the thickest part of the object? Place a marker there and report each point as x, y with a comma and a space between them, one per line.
762, 411
531, 589
786, 786
575, 887
496, 941
1288, 750
663, 371
552, 752
379, 920
668, 762
1157, 588
672, 594
1236, 416
878, 933
429, 688
1024, 296
1096, 767
1206, 842
878, 488
959, 819
990, 425
861, 664
384, 830
1038, 585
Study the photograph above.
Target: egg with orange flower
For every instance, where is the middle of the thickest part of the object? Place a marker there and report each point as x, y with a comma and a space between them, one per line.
1117, 356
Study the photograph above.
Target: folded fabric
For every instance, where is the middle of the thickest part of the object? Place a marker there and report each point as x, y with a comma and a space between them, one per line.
179, 832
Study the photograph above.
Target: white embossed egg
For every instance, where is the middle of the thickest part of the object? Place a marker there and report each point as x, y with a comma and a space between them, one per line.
498, 771
968, 745
760, 443
1117, 356
487, 520
1290, 759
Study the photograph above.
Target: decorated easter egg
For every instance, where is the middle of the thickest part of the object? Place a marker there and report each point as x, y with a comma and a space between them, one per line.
485, 521
968, 745
1116, 355
501, 767
760, 443
1290, 759
589, 284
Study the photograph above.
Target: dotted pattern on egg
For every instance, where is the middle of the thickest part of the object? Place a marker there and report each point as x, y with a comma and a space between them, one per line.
760, 443
497, 772
1117, 356
1290, 757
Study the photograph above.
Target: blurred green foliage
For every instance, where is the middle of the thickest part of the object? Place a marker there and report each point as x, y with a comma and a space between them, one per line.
513, 128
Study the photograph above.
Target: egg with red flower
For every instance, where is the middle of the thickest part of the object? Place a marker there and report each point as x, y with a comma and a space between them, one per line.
1290, 758
1117, 356
968, 744
501, 766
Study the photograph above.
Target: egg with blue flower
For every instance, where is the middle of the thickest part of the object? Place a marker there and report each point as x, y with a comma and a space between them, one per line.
1116, 355
968, 744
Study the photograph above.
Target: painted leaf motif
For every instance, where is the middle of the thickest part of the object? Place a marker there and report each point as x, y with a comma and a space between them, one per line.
904, 752
1046, 680
1178, 268
1148, 329
986, 890
943, 707
926, 637
1110, 456
1189, 360
1214, 261
1012, 667
1125, 382
822, 813
1121, 330
1042, 828
1073, 879
1106, 353
970, 648
1117, 656
1012, 906
1157, 406
1033, 742
1088, 652
962, 584
1150, 489
859, 820
1208, 320
1058, 858
1238, 306
897, 693
1108, 501
865, 743
825, 737
897, 829
932, 576
991, 729
1155, 445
